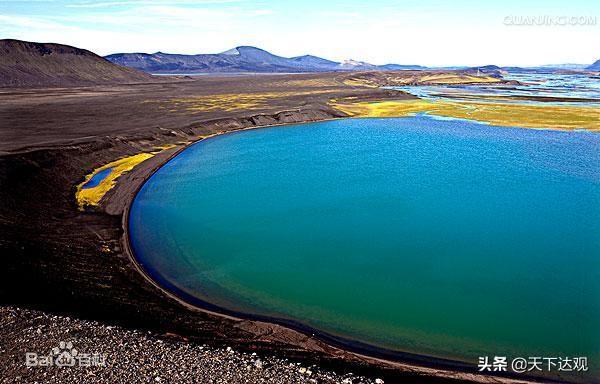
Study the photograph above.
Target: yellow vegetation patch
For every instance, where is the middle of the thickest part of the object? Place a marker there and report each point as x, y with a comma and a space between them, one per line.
457, 79
384, 108
235, 101
514, 115
92, 196
309, 83
419, 79
361, 83
163, 147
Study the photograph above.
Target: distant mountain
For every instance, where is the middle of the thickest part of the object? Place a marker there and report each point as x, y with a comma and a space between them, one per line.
239, 59
487, 68
354, 65
568, 66
400, 67
490, 70
594, 67
531, 70
310, 61
556, 68
519, 69
495, 70
451, 68
24, 63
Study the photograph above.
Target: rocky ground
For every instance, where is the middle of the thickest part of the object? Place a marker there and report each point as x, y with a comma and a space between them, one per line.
138, 356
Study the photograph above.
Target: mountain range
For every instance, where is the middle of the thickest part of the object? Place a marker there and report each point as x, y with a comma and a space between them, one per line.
241, 59
251, 59
31, 64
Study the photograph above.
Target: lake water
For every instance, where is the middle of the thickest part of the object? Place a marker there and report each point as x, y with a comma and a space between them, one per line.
97, 178
447, 238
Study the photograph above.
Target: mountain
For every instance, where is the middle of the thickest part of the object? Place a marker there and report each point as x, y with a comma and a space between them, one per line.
489, 70
310, 61
353, 65
238, 59
567, 66
24, 63
400, 67
594, 67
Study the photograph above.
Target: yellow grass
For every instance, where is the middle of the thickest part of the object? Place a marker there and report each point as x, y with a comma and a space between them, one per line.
309, 83
361, 83
505, 114
92, 196
457, 79
384, 108
163, 147
419, 78
235, 101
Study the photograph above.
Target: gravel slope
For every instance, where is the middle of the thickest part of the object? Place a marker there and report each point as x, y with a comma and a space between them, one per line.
136, 356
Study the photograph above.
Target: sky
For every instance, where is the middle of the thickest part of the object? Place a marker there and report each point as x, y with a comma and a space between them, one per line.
425, 32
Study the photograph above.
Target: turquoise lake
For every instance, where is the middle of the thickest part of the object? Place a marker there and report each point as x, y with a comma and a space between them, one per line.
445, 238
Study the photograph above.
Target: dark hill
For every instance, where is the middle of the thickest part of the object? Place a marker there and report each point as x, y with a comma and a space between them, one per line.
31, 64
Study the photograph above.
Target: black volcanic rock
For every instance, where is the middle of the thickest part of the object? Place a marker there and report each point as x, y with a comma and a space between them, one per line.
24, 63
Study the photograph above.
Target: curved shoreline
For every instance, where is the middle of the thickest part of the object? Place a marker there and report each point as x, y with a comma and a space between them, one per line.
367, 351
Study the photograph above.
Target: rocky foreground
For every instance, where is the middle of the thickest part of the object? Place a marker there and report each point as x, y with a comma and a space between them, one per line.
119, 355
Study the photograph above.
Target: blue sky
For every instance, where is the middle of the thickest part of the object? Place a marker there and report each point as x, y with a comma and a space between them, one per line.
427, 32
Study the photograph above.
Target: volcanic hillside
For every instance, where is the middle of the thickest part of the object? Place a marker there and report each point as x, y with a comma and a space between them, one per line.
28, 64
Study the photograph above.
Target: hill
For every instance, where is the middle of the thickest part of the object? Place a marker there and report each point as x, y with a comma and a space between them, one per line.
24, 63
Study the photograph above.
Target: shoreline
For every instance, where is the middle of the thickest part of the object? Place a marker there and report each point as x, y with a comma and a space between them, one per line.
360, 349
